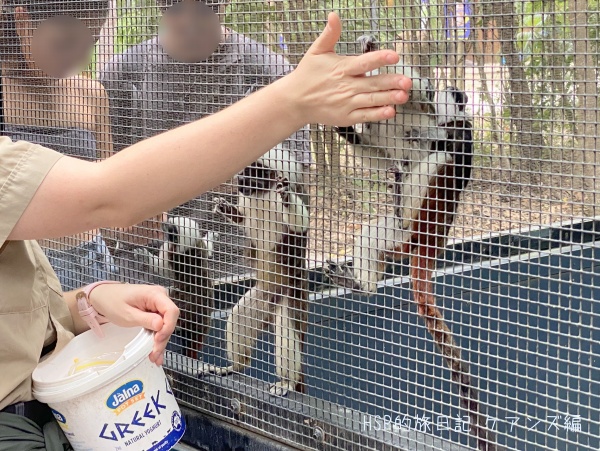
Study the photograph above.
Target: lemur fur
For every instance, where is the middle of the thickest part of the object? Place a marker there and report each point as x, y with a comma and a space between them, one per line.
183, 258
271, 209
415, 145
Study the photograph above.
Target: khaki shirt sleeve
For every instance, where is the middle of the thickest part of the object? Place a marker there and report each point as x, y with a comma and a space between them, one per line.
23, 167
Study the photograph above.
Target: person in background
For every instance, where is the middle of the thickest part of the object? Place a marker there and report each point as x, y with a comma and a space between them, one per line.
68, 113
151, 90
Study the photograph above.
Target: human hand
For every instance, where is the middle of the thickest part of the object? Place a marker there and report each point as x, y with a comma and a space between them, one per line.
333, 90
24, 29
129, 305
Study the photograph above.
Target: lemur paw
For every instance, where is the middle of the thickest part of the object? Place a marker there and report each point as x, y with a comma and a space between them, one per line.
207, 370
368, 43
221, 205
396, 171
342, 276
282, 188
281, 388
283, 184
147, 258
227, 210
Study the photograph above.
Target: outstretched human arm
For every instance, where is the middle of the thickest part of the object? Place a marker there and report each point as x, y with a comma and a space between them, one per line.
159, 173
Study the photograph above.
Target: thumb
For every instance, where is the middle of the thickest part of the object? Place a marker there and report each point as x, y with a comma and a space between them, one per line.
325, 43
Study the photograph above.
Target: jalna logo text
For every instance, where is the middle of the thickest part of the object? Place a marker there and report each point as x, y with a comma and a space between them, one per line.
126, 395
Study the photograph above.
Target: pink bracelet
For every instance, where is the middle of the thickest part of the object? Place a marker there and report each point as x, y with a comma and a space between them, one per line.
89, 313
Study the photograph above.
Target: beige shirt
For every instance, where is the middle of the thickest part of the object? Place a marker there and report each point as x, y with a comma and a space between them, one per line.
33, 312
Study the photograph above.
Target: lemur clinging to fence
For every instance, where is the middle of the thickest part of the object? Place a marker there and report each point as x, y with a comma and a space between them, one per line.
183, 258
429, 147
275, 218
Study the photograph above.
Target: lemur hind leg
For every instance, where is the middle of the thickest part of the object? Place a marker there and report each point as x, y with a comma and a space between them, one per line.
288, 349
248, 318
241, 315
390, 232
368, 255
291, 310
416, 186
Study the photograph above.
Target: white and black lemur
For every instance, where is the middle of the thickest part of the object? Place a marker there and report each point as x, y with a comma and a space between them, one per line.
430, 134
272, 210
184, 259
429, 148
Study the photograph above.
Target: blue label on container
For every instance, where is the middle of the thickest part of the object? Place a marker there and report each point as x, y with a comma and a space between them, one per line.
125, 395
59, 416
176, 433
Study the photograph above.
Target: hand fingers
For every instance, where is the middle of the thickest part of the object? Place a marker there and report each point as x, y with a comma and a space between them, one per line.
154, 311
383, 82
162, 304
169, 312
378, 99
325, 43
359, 65
370, 115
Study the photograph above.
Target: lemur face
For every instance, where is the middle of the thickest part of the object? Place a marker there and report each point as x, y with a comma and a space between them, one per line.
460, 98
450, 105
255, 177
263, 174
182, 233
172, 233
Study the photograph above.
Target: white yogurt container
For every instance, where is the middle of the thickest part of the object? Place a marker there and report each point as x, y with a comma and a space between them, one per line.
107, 395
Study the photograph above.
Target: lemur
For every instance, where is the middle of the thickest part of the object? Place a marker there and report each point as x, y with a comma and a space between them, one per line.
183, 258
416, 145
272, 211
429, 147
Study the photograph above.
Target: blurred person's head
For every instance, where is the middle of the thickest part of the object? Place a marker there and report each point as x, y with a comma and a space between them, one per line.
190, 30
46, 37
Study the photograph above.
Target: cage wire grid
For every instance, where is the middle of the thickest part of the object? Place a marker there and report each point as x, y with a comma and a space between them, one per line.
514, 272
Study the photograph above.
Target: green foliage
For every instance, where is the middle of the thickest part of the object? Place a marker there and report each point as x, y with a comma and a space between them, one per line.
545, 47
594, 28
291, 19
137, 21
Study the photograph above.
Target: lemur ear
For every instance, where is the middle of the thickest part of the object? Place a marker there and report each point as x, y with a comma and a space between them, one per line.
460, 97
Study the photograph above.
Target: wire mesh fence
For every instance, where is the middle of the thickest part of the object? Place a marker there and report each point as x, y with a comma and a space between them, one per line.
430, 282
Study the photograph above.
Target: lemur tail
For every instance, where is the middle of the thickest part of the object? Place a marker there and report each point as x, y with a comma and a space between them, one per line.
431, 231
423, 293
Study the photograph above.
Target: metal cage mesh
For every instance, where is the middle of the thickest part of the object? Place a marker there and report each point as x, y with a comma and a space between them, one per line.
515, 275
